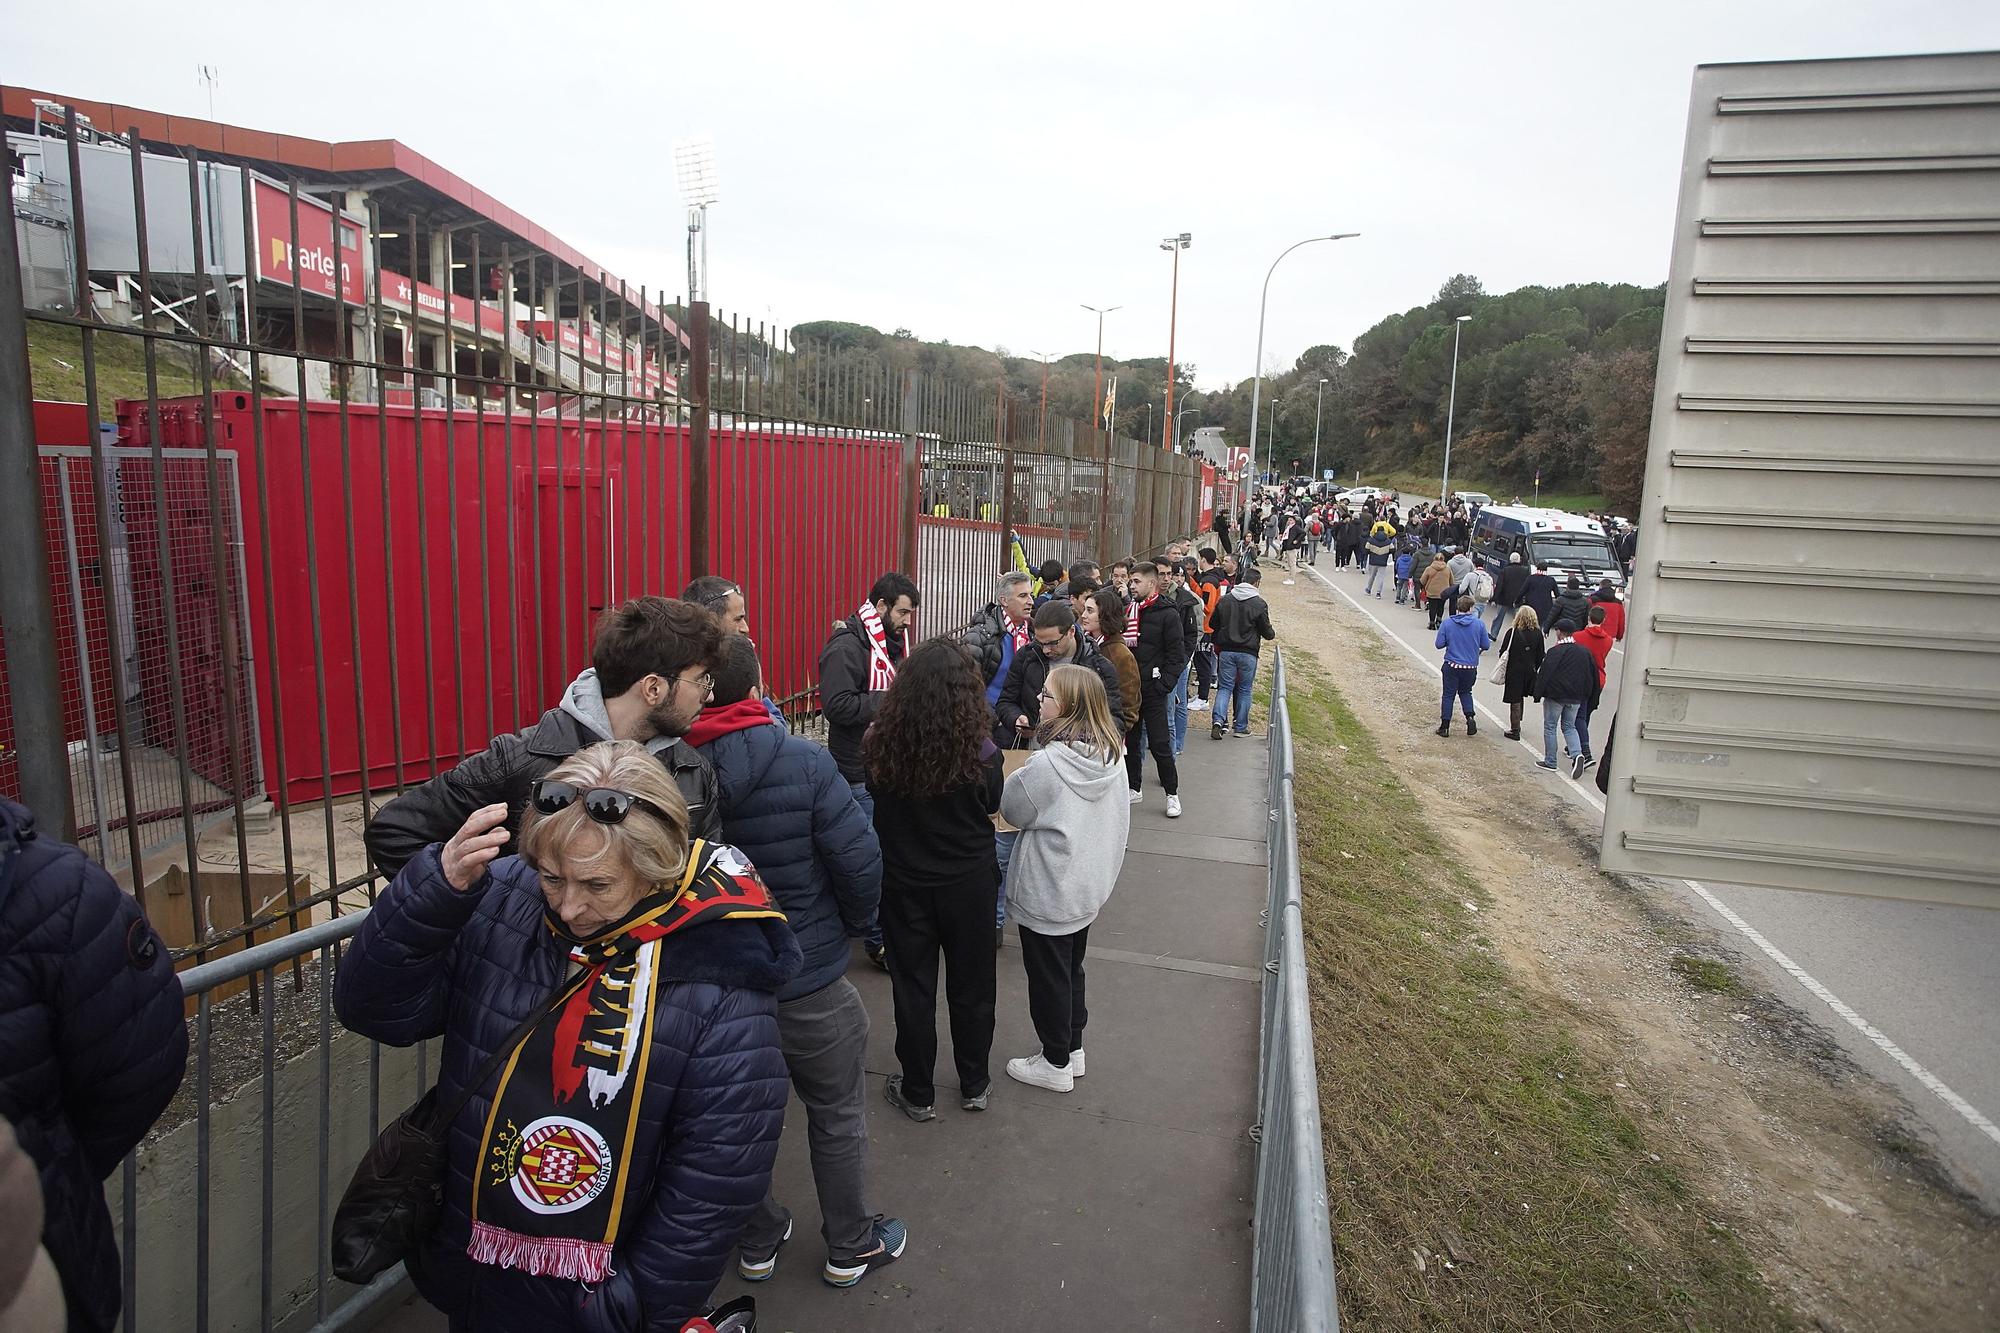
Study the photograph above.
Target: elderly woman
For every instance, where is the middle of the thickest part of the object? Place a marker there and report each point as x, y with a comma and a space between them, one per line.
599, 1180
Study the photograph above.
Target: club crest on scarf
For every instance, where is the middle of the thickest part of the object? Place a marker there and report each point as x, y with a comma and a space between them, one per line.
551, 1195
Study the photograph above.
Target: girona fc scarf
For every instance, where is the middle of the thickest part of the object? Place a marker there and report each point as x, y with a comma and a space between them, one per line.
1132, 621
881, 671
1018, 629
555, 1180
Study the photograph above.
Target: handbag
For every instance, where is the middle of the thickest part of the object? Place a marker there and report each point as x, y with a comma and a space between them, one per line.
393, 1201
1498, 675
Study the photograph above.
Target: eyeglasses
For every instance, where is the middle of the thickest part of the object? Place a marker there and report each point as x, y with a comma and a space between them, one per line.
1046, 695
705, 682
606, 805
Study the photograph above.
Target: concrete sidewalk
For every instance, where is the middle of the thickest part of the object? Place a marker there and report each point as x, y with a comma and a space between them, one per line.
1123, 1205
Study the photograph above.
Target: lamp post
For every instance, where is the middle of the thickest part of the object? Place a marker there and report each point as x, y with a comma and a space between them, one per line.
1149, 421
1175, 244
1097, 391
1317, 405
1177, 424
1042, 430
1451, 408
1257, 371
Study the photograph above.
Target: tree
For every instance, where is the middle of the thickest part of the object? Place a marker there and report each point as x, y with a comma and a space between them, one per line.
1619, 394
1460, 293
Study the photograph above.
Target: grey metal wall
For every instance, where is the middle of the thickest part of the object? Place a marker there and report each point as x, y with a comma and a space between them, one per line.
1811, 693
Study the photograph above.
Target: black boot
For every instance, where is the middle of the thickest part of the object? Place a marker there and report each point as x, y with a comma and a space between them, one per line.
1471, 725
1444, 728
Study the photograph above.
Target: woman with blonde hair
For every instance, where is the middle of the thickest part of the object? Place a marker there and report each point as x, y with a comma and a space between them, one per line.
611, 1079
1070, 804
1519, 659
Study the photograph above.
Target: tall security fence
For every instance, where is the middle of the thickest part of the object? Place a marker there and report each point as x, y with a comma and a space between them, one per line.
1291, 1263
331, 478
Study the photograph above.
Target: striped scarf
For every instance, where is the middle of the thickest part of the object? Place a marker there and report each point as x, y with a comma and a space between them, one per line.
881, 671
1132, 621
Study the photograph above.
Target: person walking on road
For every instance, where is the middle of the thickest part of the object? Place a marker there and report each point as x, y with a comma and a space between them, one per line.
1571, 604
1074, 823
1597, 638
1242, 624
786, 807
1507, 586
1155, 631
1437, 582
936, 777
1566, 681
1521, 651
1380, 546
1607, 597
1539, 591
1464, 638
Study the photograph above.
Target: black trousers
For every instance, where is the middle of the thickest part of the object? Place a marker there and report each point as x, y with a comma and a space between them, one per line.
1159, 738
1204, 673
1436, 607
919, 926
1054, 964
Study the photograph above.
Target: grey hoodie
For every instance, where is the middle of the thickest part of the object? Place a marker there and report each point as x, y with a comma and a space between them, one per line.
584, 701
1074, 815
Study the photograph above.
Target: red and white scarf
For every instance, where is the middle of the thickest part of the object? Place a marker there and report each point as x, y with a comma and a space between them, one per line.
1019, 630
1132, 621
881, 671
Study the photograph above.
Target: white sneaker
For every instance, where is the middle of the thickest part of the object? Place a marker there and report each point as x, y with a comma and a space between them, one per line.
1173, 807
1076, 1064
1037, 1072
1138, 797
1197, 705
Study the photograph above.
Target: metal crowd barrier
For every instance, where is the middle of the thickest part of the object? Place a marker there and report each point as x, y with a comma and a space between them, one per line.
207, 1278
1291, 1257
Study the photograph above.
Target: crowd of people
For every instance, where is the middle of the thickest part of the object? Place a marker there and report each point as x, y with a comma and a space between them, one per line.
1552, 636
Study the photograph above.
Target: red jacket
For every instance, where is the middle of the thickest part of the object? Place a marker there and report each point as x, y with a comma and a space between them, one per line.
1614, 617
1597, 638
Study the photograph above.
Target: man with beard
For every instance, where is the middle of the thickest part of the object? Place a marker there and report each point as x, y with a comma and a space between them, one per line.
649, 677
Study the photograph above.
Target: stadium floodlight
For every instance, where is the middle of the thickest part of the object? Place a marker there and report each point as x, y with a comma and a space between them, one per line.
696, 178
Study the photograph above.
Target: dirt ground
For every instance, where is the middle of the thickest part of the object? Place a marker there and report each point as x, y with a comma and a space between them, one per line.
1806, 1158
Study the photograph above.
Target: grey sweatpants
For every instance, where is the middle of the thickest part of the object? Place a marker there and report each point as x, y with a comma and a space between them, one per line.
824, 1036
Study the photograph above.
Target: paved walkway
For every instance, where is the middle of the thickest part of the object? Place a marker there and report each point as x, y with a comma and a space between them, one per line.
1123, 1205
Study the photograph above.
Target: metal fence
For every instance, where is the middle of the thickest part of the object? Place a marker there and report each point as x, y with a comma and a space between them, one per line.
373, 500
1291, 1261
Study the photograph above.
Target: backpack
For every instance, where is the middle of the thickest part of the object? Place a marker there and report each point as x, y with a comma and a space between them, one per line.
1482, 586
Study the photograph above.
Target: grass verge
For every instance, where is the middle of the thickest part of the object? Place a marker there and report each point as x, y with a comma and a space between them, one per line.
55, 366
1480, 1172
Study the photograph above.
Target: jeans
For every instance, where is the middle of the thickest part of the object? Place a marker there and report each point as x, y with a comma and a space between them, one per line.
1402, 590
1151, 732
824, 1037
923, 924
1583, 712
1177, 712
862, 798
1458, 683
1054, 964
1500, 613
1375, 573
1561, 714
1239, 672
1003, 852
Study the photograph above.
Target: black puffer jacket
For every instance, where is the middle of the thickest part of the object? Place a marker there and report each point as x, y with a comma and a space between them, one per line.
1020, 696
844, 696
92, 1045
982, 639
1568, 674
504, 772
1163, 648
1573, 605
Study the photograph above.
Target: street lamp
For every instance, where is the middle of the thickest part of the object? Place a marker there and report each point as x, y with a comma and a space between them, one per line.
1175, 244
1149, 421
1317, 405
1042, 430
1177, 424
1257, 371
1451, 407
1097, 392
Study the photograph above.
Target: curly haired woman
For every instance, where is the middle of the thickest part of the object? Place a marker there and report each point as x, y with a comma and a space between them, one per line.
936, 777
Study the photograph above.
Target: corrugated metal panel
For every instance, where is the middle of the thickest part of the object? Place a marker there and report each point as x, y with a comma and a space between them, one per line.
1811, 690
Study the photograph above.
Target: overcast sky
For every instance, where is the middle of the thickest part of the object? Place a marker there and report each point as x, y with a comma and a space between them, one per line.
975, 172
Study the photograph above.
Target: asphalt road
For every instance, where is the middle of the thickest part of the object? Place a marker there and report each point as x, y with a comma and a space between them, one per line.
1911, 992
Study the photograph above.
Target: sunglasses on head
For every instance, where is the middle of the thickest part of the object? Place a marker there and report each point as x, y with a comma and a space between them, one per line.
606, 805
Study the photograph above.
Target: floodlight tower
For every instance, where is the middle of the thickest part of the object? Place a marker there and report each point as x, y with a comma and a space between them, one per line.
695, 175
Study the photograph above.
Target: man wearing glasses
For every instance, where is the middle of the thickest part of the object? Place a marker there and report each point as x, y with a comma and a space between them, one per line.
649, 677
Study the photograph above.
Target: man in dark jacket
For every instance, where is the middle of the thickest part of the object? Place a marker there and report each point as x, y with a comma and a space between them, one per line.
1000, 630
1054, 641
1572, 604
92, 1046
855, 669
1242, 622
786, 807
1566, 682
1539, 591
1161, 647
649, 677
1507, 585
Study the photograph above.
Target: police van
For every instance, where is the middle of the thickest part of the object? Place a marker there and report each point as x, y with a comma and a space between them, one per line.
1566, 543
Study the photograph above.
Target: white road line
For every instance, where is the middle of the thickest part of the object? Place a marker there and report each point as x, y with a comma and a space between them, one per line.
1966, 1110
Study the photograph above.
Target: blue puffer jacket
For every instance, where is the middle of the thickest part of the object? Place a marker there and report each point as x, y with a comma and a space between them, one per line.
92, 1045
431, 961
786, 807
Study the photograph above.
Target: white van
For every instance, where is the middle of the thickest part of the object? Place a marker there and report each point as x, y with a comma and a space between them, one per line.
1566, 543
